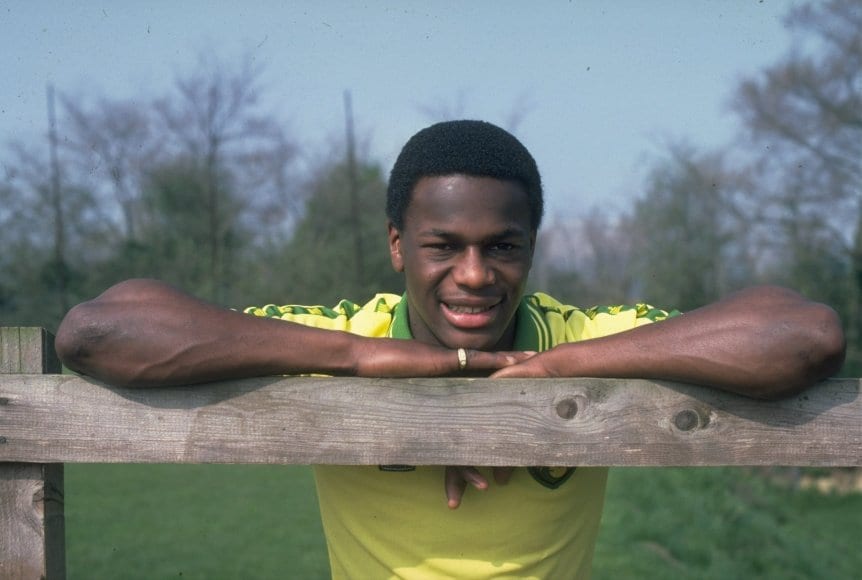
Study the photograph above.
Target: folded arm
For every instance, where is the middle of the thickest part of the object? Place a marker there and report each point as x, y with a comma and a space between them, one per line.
147, 333
763, 342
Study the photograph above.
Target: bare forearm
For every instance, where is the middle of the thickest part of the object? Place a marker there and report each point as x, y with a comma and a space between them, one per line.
145, 333
761, 342
142, 333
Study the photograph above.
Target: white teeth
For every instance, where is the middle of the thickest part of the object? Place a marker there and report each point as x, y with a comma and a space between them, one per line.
468, 309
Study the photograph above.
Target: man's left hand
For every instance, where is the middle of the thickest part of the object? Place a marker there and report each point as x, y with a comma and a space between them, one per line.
458, 476
536, 367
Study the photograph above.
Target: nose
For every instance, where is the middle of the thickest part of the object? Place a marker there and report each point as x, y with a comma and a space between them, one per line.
473, 270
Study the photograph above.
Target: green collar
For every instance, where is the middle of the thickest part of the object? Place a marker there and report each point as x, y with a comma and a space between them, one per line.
531, 330
400, 327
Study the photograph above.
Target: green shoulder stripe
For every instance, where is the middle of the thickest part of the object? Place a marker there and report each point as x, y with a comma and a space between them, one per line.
345, 308
641, 311
655, 314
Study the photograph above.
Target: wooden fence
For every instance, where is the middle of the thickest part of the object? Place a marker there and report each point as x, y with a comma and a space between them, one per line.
48, 419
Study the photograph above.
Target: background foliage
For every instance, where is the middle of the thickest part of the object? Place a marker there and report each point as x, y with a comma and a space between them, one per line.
205, 188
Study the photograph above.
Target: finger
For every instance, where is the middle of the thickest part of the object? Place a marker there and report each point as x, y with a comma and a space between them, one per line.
509, 373
455, 486
517, 357
481, 360
527, 369
502, 475
472, 476
456, 480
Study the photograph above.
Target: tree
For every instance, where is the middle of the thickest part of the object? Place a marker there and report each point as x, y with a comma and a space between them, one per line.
206, 155
586, 261
43, 270
113, 143
216, 124
802, 118
317, 265
689, 233
171, 233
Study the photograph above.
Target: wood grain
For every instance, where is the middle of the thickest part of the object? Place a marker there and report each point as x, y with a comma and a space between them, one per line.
32, 524
426, 421
27, 350
32, 543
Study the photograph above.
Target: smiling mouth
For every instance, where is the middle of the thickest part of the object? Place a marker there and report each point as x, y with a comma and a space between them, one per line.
471, 317
468, 309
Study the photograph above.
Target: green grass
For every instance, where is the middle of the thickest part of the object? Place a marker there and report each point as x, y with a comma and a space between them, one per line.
724, 523
226, 521
192, 522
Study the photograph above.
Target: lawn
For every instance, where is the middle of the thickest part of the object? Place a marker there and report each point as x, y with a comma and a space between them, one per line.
724, 523
192, 522
229, 521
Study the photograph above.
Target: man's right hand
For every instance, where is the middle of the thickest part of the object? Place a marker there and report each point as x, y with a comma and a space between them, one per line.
376, 357
146, 333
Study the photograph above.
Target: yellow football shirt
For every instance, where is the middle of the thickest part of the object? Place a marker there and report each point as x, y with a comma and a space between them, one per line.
393, 521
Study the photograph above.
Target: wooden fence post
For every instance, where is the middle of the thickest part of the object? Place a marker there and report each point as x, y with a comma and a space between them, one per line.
32, 526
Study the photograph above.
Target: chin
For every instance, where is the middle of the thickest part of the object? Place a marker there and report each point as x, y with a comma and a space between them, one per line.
472, 341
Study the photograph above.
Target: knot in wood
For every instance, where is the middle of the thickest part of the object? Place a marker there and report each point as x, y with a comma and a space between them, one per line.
687, 420
567, 408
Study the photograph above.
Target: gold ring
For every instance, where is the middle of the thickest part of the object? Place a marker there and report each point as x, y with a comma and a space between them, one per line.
462, 359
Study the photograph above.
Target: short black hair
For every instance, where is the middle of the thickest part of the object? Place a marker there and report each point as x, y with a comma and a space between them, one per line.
467, 147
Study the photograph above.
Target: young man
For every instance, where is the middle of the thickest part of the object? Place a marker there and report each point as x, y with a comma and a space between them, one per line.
464, 205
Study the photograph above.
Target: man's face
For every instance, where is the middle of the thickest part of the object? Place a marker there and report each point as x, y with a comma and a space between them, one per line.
465, 249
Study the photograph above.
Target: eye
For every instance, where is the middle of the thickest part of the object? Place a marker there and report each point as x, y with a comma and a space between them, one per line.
441, 246
440, 250
503, 247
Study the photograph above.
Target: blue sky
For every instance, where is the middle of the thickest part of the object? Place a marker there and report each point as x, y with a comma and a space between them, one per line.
601, 85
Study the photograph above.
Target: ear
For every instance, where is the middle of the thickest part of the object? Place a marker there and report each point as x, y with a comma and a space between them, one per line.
395, 247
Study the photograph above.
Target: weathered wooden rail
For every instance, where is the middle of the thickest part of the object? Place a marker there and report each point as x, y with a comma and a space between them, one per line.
47, 420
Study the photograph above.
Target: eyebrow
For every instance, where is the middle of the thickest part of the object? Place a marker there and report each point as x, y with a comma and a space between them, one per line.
509, 232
